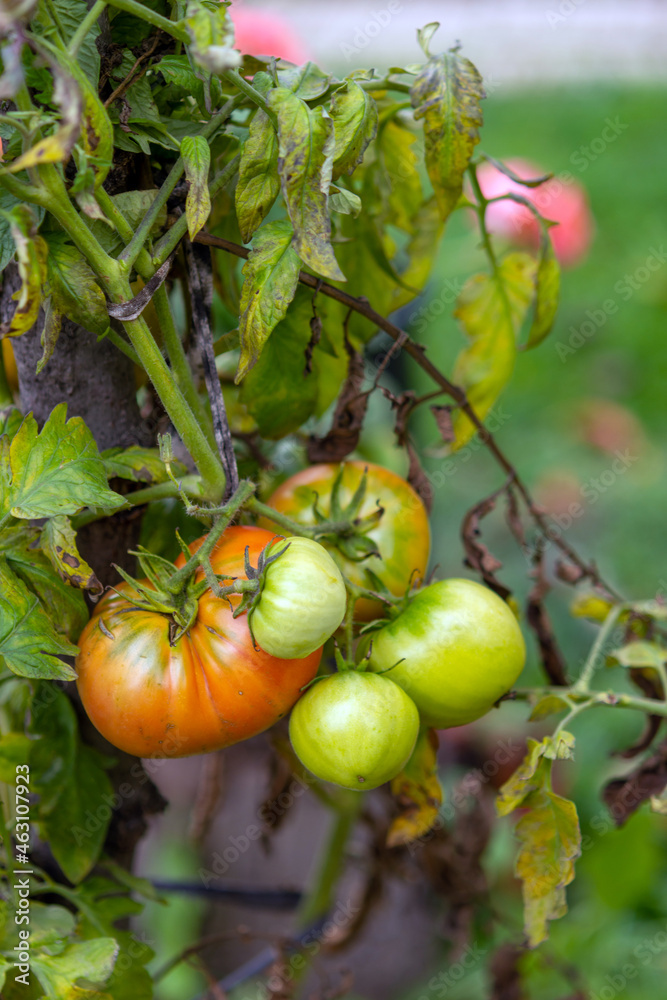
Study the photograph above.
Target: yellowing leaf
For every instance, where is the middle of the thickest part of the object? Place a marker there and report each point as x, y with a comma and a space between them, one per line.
491, 309
57, 470
306, 145
548, 833
550, 842
196, 160
547, 290
31, 253
447, 94
211, 37
271, 276
591, 606
54, 149
258, 184
50, 333
29, 645
640, 654
141, 465
418, 793
355, 118
58, 541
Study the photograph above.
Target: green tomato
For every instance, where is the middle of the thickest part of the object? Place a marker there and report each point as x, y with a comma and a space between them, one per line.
354, 729
460, 648
302, 601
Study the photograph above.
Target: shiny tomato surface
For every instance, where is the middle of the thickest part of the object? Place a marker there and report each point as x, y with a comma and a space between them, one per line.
208, 690
402, 536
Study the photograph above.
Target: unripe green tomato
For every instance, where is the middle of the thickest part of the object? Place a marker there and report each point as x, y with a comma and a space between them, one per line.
302, 601
460, 648
354, 729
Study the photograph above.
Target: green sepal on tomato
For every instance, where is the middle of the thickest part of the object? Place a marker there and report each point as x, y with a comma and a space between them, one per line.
401, 535
209, 689
455, 649
354, 729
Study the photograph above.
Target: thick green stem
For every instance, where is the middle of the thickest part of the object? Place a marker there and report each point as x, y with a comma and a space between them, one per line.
177, 356
318, 902
240, 498
118, 289
237, 80
170, 240
145, 13
89, 20
601, 699
179, 362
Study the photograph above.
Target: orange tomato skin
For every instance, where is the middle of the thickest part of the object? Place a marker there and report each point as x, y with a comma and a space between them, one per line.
403, 534
211, 689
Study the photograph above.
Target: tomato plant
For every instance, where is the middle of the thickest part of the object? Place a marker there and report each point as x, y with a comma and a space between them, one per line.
210, 244
354, 729
455, 649
402, 535
151, 696
302, 600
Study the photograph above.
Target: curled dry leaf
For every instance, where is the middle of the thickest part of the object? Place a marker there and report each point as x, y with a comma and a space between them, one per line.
624, 795
478, 557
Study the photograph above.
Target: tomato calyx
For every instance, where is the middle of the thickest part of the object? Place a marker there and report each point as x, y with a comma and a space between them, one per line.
350, 534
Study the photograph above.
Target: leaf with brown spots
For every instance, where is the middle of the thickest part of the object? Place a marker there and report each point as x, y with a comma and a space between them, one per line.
31, 254
58, 542
418, 793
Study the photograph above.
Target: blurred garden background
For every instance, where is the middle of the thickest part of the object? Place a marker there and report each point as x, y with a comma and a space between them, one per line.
557, 74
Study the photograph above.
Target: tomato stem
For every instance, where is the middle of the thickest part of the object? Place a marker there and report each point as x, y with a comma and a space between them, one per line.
180, 579
319, 900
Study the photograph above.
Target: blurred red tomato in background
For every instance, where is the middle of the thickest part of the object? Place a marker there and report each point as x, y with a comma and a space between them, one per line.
563, 201
260, 32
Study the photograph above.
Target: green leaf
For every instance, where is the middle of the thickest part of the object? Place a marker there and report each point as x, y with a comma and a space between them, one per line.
133, 205
11, 419
100, 897
548, 833
197, 161
424, 36
308, 81
89, 960
305, 157
73, 286
343, 201
640, 654
271, 276
550, 704
258, 184
14, 749
64, 605
140, 465
70, 15
276, 391
58, 542
57, 471
399, 183
355, 118
491, 309
31, 254
29, 645
547, 291
447, 94
75, 791
421, 252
